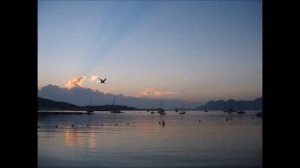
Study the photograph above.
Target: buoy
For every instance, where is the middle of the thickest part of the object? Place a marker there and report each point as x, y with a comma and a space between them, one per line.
55, 126
116, 124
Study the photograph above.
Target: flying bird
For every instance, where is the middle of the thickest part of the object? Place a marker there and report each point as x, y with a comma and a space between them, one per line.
102, 80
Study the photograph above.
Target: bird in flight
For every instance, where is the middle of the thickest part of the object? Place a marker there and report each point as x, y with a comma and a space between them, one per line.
102, 80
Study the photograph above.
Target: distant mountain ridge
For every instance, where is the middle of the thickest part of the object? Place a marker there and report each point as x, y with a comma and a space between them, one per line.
255, 104
47, 104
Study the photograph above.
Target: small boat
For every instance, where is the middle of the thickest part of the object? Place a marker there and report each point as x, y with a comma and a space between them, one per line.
116, 111
259, 115
231, 110
183, 112
241, 112
161, 111
115, 108
205, 111
90, 111
152, 112
176, 110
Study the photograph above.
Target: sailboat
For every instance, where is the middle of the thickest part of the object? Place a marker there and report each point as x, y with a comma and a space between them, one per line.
152, 112
259, 115
240, 111
90, 109
115, 109
182, 111
230, 110
161, 111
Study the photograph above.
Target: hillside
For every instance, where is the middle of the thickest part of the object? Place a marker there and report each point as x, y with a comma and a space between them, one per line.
46, 104
255, 104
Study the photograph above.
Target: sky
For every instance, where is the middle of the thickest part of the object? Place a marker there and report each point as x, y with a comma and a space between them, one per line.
190, 50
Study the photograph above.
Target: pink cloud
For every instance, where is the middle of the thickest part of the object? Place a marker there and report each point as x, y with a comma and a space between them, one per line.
146, 92
75, 82
167, 93
151, 92
94, 78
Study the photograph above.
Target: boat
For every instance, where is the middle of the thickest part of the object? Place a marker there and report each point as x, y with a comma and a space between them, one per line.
176, 110
161, 111
205, 111
259, 115
241, 112
90, 110
115, 108
182, 111
152, 112
230, 110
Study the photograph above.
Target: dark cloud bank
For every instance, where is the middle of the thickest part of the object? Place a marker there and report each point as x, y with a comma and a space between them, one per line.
80, 96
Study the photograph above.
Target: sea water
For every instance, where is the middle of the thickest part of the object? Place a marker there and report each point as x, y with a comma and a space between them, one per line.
137, 139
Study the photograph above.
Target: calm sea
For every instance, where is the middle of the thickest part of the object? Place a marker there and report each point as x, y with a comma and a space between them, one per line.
138, 140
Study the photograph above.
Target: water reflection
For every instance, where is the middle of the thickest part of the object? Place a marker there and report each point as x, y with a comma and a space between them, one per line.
92, 143
73, 138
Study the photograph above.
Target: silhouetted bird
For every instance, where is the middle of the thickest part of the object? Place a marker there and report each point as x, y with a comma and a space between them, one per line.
102, 80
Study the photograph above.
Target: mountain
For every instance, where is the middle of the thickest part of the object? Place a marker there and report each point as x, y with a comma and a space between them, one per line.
46, 104
255, 104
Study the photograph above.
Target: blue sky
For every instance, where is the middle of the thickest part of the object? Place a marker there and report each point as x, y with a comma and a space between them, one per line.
192, 50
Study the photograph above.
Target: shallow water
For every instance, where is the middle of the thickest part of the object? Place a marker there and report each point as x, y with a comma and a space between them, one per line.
140, 141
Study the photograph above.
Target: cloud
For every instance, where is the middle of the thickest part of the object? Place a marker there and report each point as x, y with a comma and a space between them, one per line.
167, 93
146, 92
75, 82
94, 78
151, 92
81, 95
